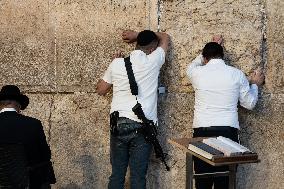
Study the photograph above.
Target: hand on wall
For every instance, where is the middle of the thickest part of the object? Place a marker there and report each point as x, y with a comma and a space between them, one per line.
129, 36
218, 39
118, 54
257, 77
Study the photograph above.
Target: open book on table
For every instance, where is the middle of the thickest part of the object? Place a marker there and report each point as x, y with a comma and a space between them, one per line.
216, 147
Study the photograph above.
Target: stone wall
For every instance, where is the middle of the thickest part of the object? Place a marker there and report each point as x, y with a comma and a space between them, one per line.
56, 50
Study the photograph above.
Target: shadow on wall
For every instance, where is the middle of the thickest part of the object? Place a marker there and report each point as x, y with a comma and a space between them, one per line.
87, 164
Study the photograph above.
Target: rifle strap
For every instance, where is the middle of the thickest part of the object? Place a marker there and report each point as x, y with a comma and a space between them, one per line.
131, 77
132, 81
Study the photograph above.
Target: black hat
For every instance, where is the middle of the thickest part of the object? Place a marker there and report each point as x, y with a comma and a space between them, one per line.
146, 37
12, 92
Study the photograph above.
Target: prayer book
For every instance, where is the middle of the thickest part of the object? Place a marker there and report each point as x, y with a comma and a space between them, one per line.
234, 145
204, 150
227, 146
223, 147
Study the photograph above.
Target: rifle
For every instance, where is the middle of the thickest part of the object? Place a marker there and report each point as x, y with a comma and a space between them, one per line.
150, 133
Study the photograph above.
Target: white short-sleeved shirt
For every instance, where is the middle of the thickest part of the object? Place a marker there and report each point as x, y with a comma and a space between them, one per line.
146, 69
218, 88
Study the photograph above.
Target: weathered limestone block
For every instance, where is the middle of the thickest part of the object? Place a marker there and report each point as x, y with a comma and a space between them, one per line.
88, 33
193, 23
40, 107
175, 113
26, 45
80, 140
275, 46
262, 132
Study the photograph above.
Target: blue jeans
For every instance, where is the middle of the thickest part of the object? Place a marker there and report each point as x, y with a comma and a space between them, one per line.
128, 147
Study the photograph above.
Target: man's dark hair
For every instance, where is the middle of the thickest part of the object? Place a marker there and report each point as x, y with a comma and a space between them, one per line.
212, 50
146, 37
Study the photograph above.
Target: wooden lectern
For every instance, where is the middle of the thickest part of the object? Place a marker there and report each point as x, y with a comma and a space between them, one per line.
231, 161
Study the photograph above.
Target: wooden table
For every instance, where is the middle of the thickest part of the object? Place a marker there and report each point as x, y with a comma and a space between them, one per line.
218, 161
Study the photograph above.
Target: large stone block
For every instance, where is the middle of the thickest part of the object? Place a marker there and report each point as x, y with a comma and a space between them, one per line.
80, 140
262, 132
41, 107
193, 23
26, 45
275, 46
88, 33
175, 113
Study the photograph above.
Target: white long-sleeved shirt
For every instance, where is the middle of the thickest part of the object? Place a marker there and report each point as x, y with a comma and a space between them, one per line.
218, 88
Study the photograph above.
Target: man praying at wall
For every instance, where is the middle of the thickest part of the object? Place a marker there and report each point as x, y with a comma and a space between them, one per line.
127, 144
218, 89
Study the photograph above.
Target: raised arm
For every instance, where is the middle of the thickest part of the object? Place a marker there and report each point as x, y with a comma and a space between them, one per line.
249, 89
130, 36
164, 40
199, 60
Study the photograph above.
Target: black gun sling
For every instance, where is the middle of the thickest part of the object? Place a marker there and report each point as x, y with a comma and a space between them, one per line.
131, 78
134, 90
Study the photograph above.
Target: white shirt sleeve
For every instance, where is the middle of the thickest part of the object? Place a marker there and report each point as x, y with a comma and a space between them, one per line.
198, 61
248, 94
157, 56
107, 76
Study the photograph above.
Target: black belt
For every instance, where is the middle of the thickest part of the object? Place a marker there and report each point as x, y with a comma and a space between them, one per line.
126, 120
125, 130
216, 128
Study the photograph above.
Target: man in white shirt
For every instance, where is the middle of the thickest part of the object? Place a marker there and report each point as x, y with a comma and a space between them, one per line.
218, 89
127, 145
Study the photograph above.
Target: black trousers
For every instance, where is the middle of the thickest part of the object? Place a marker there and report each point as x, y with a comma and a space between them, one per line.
202, 167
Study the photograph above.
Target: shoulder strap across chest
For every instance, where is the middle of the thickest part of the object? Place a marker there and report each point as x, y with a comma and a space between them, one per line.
131, 77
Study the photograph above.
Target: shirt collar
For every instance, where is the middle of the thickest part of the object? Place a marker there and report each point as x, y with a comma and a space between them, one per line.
216, 61
138, 56
8, 110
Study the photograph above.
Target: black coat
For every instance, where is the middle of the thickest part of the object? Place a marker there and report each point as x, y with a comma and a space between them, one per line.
17, 128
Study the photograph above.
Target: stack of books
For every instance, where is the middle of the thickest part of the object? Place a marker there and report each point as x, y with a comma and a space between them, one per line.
218, 147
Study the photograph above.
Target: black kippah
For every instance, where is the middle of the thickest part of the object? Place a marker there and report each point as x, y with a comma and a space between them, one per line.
146, 37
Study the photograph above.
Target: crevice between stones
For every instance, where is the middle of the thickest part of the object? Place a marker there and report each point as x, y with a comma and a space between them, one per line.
159, 4
263, 45
49, 118
263, 48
